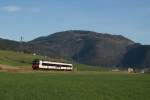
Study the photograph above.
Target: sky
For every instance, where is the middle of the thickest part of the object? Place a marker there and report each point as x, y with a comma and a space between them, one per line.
34, 18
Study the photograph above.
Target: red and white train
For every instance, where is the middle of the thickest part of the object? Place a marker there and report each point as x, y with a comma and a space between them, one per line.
40, 64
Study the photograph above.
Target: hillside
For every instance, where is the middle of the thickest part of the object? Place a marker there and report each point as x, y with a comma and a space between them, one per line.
6, 44
15, 60
86, 47
137, 56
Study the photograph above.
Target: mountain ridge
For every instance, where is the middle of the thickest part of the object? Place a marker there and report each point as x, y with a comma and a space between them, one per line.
87, 47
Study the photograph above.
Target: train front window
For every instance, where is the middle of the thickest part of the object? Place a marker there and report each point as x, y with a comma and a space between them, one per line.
35, 62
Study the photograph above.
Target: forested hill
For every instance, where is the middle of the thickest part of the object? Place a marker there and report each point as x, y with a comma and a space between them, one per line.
86, 47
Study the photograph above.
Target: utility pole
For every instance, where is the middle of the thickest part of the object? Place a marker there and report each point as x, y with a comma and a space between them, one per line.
21, 44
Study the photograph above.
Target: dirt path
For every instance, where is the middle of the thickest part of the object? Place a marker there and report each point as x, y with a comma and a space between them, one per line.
6, 68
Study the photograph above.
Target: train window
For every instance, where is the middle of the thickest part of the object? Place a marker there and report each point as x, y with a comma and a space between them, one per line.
46, 64
35, 62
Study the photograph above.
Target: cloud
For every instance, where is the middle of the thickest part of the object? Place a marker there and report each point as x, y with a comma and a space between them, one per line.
13, 8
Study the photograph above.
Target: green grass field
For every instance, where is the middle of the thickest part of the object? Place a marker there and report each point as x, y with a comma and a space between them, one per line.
88, 83
25, 60
74, 86
17, 59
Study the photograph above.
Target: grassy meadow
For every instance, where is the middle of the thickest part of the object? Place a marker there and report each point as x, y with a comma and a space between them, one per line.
18, 59
74, 86
88, 83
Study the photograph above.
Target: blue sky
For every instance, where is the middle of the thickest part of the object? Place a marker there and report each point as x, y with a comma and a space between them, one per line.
33, 18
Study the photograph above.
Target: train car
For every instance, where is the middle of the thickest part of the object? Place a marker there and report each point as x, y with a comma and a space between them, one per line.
40, 64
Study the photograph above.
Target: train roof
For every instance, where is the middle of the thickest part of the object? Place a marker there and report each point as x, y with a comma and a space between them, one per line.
56, 63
